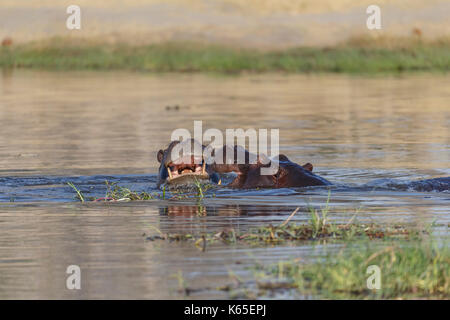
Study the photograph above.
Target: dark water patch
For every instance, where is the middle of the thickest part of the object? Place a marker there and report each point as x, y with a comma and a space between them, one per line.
56, 189
36, 188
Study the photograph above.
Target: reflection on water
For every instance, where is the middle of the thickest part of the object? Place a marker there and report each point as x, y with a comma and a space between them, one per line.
90, 127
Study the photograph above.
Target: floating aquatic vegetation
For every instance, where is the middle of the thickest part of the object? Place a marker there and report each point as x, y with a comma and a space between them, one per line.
116, 193
317, 228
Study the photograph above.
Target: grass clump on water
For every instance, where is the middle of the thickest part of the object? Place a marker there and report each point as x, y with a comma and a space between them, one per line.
117, 193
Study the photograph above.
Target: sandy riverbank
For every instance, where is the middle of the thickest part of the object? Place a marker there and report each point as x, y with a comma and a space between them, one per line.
274, 24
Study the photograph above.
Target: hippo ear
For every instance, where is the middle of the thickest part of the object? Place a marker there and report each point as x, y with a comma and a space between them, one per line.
308, 166
160, 155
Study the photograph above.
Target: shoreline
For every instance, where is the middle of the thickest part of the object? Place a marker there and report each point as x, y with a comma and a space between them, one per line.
357, 56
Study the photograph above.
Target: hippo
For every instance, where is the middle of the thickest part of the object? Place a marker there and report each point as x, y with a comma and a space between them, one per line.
196, 163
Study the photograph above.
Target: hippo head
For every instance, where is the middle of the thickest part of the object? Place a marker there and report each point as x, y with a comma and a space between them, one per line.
182, 164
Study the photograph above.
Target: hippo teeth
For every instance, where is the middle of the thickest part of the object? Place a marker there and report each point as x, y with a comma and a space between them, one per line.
179, 169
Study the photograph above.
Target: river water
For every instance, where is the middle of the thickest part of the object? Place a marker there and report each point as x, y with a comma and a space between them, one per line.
370, 136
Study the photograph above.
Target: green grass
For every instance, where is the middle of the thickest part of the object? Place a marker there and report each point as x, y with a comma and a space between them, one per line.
412, 271
190, 57
79, 193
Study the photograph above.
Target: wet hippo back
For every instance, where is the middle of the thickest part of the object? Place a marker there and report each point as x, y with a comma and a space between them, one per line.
425, 185
436, 184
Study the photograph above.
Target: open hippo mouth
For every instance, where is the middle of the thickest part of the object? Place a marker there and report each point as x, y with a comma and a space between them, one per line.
186, 170
183, 165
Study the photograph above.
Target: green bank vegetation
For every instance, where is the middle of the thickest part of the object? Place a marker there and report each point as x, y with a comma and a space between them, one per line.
356, 56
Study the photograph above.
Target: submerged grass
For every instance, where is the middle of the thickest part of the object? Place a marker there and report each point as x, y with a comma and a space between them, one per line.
269, 235
353, 57
317, 228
